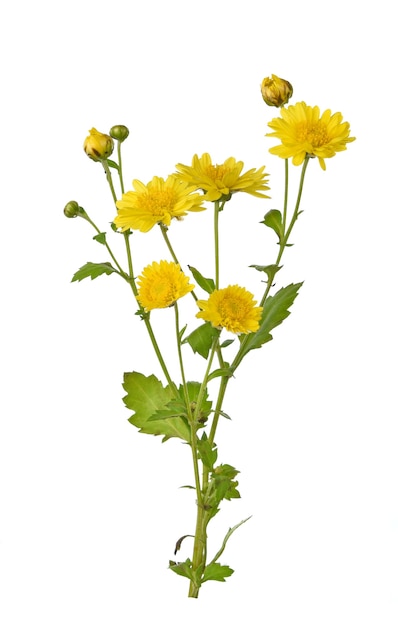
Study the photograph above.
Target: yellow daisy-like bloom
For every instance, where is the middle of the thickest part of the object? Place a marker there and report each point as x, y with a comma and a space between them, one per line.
219, 181
161, 284
304, 132
157, 202
232, 308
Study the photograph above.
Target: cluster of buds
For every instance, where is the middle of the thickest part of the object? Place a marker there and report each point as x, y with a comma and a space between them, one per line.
276, 91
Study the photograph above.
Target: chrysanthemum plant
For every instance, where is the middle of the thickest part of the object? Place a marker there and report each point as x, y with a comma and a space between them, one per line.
223, 314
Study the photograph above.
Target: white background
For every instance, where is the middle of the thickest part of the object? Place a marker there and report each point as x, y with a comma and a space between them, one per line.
90, 509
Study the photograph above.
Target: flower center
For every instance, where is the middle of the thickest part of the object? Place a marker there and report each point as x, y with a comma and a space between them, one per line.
158, 201
216, 172
315, 134
232, 310
164, 291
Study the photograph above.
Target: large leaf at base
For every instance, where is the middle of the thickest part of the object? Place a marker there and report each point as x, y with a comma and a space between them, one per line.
276, 309
145, 396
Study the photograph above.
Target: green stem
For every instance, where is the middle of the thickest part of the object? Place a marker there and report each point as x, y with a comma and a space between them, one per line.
282, 245
109, 179
184, 383
220, 399
90, 221
131, 281
164, 229
216, 243
191, 420
119, 158
145, 317
286, 194
200, 543
285, 238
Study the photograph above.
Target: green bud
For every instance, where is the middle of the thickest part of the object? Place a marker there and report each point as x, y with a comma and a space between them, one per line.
72, 209
119, 133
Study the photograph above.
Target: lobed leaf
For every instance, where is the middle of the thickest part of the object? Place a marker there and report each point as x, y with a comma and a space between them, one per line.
183, 569
146, 396
93, 270
215, 571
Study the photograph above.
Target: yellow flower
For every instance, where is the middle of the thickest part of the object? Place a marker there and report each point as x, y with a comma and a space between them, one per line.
157, 202
219, 181
303, 132
276, 91
98, 146
161, 284
232, 308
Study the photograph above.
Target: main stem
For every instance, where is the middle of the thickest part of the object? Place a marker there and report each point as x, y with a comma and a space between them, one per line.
200, 542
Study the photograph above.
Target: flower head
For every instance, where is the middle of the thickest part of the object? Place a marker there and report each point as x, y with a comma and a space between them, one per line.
220, 181
276, 91
232, 308
98, 146
304, 132
161, 285
157, 202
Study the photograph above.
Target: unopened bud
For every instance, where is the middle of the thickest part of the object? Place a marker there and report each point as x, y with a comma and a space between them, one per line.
276, 91
72, 209
119, 133
98, 146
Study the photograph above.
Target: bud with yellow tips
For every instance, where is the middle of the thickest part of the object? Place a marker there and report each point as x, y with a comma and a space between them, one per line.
276, 91
98, 146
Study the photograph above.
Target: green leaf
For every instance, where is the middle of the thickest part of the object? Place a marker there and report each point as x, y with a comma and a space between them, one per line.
276, 309
146, 396
193, 395
224, 371
112, 164
226, 343
225, 485
207, 452
215, 571
93, 270
174, 408
183, 569
207, 284
201, 339
225, 415
101, 238
270, 270
273, 219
